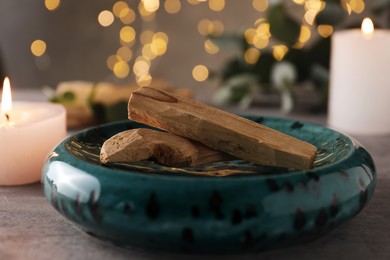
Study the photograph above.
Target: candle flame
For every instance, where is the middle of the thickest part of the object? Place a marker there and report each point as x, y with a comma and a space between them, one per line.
6, 99
367, 26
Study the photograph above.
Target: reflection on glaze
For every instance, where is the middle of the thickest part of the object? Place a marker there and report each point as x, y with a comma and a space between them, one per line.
133, 207
72, 182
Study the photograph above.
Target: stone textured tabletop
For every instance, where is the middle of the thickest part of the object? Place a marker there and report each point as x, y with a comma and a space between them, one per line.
31, 229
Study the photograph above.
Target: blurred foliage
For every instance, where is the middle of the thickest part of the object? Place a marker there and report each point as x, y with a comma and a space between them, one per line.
311, 61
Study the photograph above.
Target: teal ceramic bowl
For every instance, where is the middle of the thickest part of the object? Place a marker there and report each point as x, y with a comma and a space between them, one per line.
148, 206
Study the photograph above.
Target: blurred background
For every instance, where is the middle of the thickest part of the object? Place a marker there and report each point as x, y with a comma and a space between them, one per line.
245, 53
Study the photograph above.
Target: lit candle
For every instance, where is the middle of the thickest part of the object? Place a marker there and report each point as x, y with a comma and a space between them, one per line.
360, 80
28, 131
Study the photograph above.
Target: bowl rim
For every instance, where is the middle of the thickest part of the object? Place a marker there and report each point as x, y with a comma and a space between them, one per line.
63, 153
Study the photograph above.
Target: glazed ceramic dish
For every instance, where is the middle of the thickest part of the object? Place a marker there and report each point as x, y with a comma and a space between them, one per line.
148, 206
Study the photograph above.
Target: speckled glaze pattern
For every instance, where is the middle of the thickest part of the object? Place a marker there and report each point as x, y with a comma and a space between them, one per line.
148, 206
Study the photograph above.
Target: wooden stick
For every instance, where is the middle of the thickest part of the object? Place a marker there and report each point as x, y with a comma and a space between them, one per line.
220, 130
165, 148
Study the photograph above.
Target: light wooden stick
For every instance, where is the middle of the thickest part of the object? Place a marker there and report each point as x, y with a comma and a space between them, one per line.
166, 148
220, 130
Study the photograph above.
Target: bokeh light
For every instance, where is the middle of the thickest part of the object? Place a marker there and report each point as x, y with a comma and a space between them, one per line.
141, 66
252, 55
305, 34
121, 69
38, 48
52, 5
260, 5
200, 73
217, 5
118, 7
127, 34
105, 18
127, 16
172, 6
325, 30
279, 51
124, 53
151, 5
210, 47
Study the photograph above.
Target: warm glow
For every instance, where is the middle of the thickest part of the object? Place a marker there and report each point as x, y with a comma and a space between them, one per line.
141, 67
146, 14
151, 5
119, 7
305, 34
250, 35
121, 69
200, 73
203, 26
124, 53
367, 26
6, 99
38, 47
357, 6
217, 5
172, 6
127, 34
259, 42
260, 5
51, 5
147, 51
127, 16
263, 31
146, 36
325, 30
105, 18
217, 28
210, 47
252, 55
111, 61
279, 51
144, 80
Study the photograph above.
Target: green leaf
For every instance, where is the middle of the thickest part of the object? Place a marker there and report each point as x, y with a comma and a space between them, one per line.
68, 96
282, 26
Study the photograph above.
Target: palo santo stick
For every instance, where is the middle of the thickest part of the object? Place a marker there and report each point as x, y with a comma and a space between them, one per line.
166, 148
218, 129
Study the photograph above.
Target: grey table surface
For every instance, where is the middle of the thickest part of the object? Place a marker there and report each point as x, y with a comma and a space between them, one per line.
31, 229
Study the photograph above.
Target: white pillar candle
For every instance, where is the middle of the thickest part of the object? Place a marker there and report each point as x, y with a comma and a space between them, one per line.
28, 131
359, 101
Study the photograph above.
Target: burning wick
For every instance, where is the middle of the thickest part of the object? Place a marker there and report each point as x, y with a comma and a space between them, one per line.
6, 100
